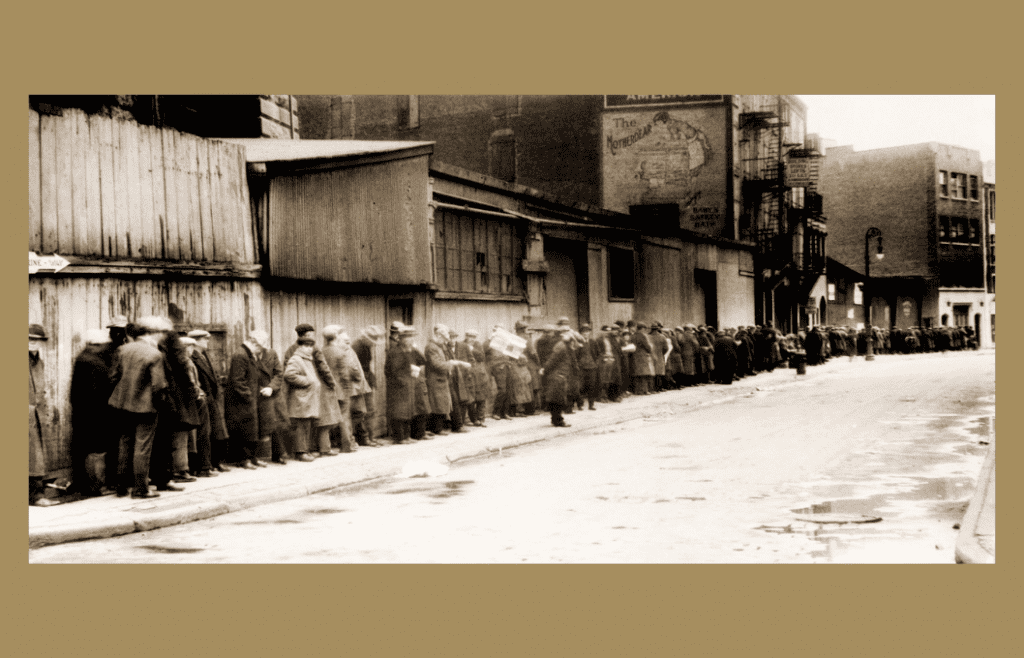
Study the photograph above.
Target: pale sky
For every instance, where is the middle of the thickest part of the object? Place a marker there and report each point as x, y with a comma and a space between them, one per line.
869, 122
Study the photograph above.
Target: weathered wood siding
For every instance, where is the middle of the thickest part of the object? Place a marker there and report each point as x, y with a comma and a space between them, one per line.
68, 306
364, 224
460, 315
103, 187
660, 287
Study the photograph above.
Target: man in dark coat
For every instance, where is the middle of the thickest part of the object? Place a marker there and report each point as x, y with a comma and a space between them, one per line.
557, 371
364, 415
241, 402
401, 385
725, 358
140, 383
589, 358
211, 435
91, 416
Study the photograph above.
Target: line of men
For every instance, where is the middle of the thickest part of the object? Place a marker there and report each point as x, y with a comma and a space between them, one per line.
453, 383
149, 409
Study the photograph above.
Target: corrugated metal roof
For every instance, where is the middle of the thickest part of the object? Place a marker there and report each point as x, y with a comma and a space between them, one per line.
280, 150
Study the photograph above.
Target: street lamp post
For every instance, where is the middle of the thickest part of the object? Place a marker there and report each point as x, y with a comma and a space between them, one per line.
869, 352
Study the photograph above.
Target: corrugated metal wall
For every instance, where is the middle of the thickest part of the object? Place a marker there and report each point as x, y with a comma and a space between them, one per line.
110, 188
67, 307
358, 224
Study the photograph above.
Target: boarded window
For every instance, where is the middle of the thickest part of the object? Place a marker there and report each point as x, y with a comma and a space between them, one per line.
621, 273
474, 254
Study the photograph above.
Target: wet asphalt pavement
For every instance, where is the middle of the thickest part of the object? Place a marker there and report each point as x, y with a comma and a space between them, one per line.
863, 463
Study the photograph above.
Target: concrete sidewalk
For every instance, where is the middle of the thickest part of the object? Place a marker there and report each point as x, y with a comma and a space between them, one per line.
976, 543
239, 489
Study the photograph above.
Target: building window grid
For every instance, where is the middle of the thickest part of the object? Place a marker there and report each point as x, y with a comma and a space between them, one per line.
476, 255
974, 188
943, 183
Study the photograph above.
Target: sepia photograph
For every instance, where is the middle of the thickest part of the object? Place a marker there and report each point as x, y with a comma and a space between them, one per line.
511, 329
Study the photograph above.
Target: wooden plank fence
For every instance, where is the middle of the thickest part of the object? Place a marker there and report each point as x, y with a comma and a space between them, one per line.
109, 188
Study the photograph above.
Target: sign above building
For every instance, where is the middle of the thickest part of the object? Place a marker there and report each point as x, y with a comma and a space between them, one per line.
52, 263
803, 171
670, 99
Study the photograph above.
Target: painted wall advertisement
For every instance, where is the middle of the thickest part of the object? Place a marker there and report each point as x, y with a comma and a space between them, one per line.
669, 155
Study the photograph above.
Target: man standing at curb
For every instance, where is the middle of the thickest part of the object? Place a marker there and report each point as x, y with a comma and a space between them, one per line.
401, 385
141, 383
557, 371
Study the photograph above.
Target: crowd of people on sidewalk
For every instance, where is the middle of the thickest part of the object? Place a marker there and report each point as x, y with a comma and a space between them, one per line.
148, 409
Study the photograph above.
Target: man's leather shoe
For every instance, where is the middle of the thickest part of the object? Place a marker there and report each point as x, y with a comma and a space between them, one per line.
461, 430
146, 494
258, 463
247, 466
184, 477
223, 468
303, 457
206, 474
561, 424
169, 487
121, 493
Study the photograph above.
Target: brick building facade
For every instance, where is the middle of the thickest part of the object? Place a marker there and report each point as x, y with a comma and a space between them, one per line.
925, 199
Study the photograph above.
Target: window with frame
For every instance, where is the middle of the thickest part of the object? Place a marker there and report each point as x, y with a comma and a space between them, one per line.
943, 183
957, 231
831, 292
974, 188
476, 255
943, 228
621, 273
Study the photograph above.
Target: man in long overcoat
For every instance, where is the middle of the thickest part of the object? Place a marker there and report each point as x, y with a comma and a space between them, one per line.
211, 436
725, 358
401, 385
92, 419
479, 379
241, 402
438, 374
557, 371
364, 409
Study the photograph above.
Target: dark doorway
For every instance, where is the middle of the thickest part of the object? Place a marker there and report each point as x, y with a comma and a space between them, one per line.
400, 310
707, 280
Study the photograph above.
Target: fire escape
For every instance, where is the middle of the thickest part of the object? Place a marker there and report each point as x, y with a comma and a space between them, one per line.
790, 240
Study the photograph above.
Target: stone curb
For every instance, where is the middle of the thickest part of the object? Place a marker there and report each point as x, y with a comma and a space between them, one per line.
968, 549
248, 496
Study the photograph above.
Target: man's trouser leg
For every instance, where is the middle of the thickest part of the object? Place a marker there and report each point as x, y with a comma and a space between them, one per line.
136, 450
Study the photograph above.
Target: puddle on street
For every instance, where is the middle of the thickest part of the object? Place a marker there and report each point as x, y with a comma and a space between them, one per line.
940, 489
452, 489
325, 511
168, 549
